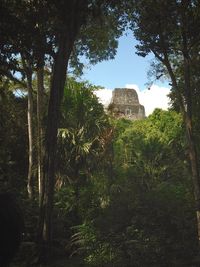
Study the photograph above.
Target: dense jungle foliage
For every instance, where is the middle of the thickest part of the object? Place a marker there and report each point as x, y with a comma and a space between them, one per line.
123, 191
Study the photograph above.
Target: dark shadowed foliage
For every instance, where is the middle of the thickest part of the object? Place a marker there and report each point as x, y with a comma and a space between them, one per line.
11, 225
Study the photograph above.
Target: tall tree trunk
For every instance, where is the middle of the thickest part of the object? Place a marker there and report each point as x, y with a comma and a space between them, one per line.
188, 116
47, 194
185, 104
30, 181
76, 10
40, 130
194, 169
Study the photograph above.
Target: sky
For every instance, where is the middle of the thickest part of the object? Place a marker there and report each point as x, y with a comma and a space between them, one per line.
130, 71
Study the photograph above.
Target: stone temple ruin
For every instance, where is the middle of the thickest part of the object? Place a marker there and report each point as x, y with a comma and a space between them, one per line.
125, 104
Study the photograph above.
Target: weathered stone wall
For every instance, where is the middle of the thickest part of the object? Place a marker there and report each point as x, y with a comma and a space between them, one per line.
125, 103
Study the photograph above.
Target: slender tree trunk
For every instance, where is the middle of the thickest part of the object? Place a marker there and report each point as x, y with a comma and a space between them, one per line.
40, 130
30, 182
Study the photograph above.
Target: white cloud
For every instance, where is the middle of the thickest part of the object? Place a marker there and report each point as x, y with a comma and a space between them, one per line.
104, 96
154, 97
